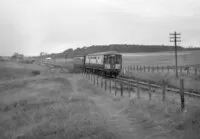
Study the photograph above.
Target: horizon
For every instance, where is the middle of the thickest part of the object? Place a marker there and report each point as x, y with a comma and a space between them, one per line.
108, 45
52, 26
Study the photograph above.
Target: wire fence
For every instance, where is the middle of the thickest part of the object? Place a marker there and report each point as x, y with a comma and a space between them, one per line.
182, 70
121, 88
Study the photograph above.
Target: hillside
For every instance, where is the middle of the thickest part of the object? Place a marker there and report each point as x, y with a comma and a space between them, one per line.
123, 48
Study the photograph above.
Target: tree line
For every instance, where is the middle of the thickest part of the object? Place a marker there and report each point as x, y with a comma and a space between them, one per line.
122, 48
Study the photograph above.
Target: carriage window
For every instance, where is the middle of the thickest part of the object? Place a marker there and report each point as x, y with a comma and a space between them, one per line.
106, 60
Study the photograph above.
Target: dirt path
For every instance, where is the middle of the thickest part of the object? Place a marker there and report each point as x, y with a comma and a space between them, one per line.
115, 116
110, 110
131, 120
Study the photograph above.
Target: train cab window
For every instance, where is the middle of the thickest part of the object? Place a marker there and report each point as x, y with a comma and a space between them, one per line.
112, 59
118, 59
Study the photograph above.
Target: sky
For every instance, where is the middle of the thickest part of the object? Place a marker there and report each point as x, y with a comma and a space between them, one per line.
33, 26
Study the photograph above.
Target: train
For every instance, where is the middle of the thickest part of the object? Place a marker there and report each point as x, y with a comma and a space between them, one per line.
105, 63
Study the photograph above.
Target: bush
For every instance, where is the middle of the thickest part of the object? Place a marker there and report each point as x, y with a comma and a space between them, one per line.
36, 72
27, 61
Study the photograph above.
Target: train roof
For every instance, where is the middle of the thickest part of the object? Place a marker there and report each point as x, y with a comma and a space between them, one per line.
104, 53
79, 56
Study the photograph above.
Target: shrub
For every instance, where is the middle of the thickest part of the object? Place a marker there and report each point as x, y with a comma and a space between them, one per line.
35, 72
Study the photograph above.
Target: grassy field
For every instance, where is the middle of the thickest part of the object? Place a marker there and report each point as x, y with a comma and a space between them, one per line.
162, 58
58, 105
46, 106
189, 58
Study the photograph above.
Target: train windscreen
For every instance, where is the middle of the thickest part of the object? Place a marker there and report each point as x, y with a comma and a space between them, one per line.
113, 59
118, 59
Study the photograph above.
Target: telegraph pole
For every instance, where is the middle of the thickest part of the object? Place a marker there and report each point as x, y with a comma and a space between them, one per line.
175, 37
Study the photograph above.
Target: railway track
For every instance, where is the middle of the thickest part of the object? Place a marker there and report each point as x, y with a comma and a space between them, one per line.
145, 85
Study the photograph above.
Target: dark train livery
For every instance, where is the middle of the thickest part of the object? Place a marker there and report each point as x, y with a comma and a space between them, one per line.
105, 63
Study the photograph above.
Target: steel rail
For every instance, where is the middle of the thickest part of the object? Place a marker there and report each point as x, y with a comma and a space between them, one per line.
176, 90
126, 80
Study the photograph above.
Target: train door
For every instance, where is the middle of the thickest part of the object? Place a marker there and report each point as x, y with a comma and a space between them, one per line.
112, 61
106, 62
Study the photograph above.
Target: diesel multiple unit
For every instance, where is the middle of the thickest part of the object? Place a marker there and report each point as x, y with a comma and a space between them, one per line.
105, 63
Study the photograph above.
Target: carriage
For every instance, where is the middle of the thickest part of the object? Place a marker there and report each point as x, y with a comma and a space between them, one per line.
104, 63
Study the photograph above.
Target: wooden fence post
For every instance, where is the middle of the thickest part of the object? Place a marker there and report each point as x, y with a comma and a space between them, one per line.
101, 82
94, 79
181, 70
157, 68
138, 89
163, 91
167, 68
105, 84
144, 68
163, 68
188, 71
129, 89
129, 68
110, 86
97, 80
149, 91
121, 88
115, 88
195, 70
182, 94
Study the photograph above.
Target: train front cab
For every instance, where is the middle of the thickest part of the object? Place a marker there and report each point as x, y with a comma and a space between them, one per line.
113, 64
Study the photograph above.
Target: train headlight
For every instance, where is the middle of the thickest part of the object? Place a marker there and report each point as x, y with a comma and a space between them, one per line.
107, 66
117, 66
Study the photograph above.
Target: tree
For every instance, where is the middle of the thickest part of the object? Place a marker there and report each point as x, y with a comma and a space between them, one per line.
17, 56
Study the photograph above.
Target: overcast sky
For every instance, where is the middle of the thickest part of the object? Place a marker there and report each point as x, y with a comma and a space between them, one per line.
32, 26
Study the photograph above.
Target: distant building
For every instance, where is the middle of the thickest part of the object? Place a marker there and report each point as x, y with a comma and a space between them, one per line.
48, 58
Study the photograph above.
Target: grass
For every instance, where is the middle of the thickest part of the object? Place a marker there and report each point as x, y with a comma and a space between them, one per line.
152, 59
57, 106
162, 58
163, 120
46, 106
169, 78
12, 70
156, 119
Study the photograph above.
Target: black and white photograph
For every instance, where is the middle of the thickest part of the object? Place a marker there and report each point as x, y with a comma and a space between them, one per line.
99, 69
